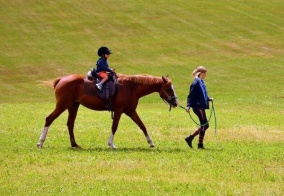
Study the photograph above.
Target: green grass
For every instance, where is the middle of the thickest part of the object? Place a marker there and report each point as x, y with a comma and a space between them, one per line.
241, 44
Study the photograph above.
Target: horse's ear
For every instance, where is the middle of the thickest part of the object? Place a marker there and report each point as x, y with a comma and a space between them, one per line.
164, 79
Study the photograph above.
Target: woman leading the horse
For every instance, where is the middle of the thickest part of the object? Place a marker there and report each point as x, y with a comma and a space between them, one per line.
198, 100
103, 70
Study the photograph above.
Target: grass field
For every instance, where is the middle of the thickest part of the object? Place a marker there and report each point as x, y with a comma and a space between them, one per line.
240, 43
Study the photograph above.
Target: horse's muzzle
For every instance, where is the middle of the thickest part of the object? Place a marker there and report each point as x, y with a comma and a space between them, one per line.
173, 101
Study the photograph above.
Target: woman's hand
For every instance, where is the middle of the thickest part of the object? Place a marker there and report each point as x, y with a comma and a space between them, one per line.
187, 109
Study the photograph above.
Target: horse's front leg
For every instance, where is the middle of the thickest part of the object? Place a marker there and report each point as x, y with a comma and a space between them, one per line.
116, 118
134, 116
42, 137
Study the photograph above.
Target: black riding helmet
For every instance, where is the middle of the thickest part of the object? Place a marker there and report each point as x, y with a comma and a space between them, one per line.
103, 50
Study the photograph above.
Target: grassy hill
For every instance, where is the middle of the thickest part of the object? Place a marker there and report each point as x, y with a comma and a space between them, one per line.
240, 43
44, 40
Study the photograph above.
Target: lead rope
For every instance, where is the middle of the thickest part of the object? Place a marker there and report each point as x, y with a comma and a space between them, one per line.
215, 119
212, 112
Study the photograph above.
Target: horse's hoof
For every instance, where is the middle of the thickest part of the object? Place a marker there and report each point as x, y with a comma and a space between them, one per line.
152, 146
112, 146
79, 147
75, 146
39, 145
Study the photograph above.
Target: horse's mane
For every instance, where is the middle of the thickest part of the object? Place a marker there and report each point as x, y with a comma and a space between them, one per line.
139, 79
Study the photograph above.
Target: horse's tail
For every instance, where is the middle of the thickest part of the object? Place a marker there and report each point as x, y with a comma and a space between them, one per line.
55, 82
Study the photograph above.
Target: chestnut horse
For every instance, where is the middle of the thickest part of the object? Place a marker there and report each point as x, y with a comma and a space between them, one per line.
70, 94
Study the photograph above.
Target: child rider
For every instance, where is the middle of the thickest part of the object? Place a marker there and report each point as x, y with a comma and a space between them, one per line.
103, 70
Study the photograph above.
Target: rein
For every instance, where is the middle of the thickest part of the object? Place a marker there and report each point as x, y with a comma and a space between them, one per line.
212, 112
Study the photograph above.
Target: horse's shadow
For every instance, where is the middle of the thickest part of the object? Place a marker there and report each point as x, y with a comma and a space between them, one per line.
141, 149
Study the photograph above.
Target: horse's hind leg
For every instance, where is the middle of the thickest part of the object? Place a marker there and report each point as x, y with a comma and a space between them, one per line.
134, 116
70, 123
48, 121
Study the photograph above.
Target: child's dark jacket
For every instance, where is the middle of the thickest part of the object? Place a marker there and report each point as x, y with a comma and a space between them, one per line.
102, 65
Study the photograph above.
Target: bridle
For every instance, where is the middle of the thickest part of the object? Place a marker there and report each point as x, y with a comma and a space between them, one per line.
169, 98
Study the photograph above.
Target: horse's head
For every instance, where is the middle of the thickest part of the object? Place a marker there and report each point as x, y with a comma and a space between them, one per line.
167, 92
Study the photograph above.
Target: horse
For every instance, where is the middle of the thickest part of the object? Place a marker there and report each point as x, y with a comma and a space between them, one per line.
70, 95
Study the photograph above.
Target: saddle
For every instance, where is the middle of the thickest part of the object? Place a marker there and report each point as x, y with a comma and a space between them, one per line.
110, 87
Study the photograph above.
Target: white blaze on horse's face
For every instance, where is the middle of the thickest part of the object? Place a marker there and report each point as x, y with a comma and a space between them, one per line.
175, 96
174, 99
